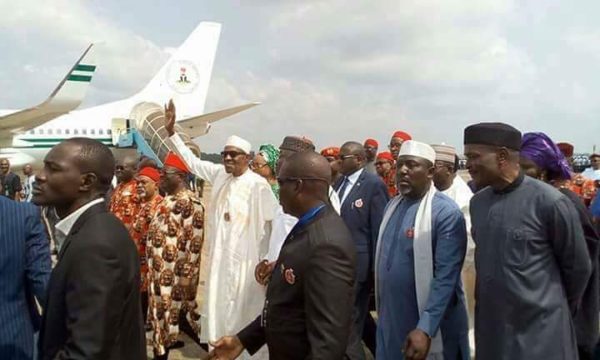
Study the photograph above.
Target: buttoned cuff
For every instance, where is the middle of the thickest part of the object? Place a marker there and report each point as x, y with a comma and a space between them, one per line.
425, 324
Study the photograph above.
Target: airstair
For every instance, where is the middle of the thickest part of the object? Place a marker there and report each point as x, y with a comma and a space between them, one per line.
144, 130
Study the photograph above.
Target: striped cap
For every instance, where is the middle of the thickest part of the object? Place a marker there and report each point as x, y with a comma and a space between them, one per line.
445, 153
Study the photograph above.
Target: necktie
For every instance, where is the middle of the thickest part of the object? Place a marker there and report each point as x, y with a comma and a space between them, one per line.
342, 188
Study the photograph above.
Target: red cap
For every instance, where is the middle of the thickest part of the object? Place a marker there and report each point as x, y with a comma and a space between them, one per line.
386, 155
150, 172
402, 135
175, 161
371, 142
331, 151
566, 148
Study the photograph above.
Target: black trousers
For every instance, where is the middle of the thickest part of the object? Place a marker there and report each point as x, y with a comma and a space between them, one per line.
355, 349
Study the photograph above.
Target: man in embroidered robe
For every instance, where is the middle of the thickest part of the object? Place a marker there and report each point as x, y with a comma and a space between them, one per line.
147, 191
241, 208
398, 138
420, 253
124, 202
385, 167
371, 146
582, 186
175, 240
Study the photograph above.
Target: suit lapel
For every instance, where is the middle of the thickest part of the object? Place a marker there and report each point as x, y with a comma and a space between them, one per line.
94, 210
354, 190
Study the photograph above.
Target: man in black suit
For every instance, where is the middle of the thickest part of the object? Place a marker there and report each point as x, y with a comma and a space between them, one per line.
310, 296
93, 308
363, 196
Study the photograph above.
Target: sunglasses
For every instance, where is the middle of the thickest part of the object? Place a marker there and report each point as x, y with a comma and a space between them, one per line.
344, 157
231, 154
255, 166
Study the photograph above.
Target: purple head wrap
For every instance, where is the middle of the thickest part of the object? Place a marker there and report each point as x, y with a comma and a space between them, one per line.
540, 149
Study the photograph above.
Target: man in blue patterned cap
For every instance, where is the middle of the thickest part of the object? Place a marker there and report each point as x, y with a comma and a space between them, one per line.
532, 261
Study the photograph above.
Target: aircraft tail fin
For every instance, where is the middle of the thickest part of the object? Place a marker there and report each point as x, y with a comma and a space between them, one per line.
186, 75
71, 91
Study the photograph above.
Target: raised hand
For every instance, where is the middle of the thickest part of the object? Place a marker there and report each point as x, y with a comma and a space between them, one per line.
226, 348
170, 117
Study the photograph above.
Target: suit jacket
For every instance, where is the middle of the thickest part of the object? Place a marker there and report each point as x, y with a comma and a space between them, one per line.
93, 308
310, 297
362, 212
24, 273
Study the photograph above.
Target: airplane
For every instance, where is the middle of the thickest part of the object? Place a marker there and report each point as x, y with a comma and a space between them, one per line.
27, 135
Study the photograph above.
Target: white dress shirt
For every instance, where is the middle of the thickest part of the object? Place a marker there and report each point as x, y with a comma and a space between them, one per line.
64, 226
352, 179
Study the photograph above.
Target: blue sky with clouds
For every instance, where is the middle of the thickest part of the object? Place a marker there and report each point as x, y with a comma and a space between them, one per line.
332, 70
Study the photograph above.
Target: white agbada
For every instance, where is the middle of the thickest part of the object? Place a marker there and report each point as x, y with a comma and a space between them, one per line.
284, 223
238, 225
461, 193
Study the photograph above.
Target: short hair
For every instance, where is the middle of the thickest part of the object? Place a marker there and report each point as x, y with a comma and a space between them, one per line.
147, 162
95, 157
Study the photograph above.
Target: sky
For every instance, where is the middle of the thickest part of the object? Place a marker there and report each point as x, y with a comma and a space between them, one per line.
334, 70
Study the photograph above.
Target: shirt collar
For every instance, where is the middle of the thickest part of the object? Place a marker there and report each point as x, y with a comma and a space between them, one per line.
353, 178
65, 225
515, 184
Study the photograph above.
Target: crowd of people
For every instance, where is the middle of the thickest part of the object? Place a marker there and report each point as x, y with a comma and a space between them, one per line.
296, 254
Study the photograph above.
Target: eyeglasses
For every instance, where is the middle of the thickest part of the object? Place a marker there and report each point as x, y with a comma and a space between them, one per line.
231, 154
282, 181
255, 166
344, 157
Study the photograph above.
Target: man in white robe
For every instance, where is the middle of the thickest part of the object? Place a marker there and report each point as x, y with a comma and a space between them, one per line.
448, 182
239, 215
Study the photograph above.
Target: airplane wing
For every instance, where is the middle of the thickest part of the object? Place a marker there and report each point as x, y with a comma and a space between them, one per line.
67, 96
199, 125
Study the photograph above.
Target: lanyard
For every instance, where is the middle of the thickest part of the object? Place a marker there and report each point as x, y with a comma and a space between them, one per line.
308, 216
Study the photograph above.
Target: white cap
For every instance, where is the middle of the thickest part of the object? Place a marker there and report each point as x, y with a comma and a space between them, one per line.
418, 149
239, 143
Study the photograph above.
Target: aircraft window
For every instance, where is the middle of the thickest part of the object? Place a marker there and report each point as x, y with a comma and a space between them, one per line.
109, 131
84, 131
31, 131
50, 131
93, 131
101, 132
41, 131
76, 132
59, 131
67, 131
